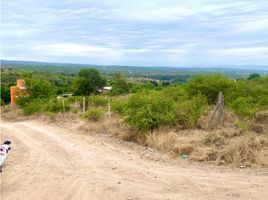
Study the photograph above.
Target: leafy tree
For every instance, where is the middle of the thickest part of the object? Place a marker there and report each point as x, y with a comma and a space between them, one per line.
253, 76
39, 88
119, 84
5, 94
88, 82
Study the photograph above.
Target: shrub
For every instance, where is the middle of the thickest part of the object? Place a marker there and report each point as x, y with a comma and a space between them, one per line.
55, 106
242, 125
30, 106
209, 85
98, 100
39, 88
189, 111
147, 112
93, 114
178, 93
119, 105
33, 107
244, 106
23, 101
245, 97
119, 84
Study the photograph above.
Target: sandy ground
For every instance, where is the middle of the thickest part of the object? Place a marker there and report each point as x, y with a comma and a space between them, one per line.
49, 162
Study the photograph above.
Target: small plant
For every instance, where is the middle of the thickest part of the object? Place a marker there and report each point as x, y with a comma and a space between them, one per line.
33, 107
242, 125
6, 109
214, 138
93, 114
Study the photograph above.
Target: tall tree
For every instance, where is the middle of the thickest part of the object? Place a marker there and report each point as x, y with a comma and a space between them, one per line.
119, 83
88, 82
253, 76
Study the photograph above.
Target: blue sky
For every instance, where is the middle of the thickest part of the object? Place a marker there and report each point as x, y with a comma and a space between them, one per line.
136, 32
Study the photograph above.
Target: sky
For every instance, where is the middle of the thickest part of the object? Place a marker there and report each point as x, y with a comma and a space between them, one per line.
177, 33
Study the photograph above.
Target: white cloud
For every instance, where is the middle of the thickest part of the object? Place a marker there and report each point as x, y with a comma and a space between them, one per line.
136, 31
72, 49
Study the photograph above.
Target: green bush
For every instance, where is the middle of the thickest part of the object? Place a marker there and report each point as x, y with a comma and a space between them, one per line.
245, 97
119, 85
119, 105
178, 93
147, 112
170, 107
244, 126
35, 106
189, 111
98, 100
209, 85
73, 99
93, 114
56, 105
244, 106
30, 106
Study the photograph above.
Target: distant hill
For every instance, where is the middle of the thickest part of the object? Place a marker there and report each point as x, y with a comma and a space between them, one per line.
157, 72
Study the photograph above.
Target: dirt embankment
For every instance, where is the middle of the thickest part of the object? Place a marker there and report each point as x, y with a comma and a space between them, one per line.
49, 162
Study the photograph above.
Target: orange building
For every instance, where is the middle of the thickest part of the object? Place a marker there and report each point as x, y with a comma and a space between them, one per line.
16, 91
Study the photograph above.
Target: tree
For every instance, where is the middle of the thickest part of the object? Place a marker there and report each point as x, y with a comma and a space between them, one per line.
88, 82
38, 88
253, 76
5, 94
120, 85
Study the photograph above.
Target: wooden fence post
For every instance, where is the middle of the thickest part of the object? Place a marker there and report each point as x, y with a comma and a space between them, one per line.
109, 106
63, 105
84, 104
76, 103
218, 113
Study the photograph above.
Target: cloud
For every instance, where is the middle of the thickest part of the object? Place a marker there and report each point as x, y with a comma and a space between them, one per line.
136, 32
67, 49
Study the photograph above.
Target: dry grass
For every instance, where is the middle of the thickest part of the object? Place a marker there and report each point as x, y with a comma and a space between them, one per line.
260, 122
163, 141
12, 113
230, 144
247, 150
113, 125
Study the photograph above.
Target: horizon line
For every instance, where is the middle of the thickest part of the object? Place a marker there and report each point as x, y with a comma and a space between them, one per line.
216, 66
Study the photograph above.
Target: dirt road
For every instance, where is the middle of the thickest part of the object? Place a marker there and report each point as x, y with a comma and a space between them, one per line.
48, 162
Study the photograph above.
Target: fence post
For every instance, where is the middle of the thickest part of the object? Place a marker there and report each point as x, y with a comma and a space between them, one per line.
76, 103
218, 113
84, 104
109, 106
63, 105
